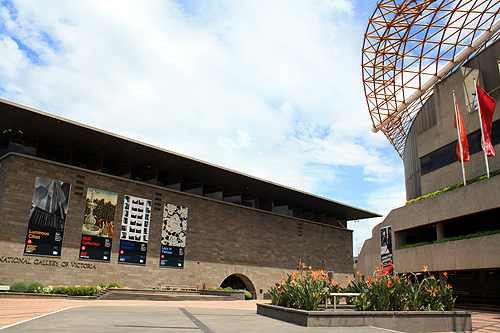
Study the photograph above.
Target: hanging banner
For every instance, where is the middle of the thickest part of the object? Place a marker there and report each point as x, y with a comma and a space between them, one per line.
173, 236
98, 225
49, 207
386, 250
134, 233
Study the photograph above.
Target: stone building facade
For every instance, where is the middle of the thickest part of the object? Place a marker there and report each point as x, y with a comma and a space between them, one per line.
431, 164
225, 238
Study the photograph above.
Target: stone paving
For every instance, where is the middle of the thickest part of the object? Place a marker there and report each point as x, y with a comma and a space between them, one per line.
80, 315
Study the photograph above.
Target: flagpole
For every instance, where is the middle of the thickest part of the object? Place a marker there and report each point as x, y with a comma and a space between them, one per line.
482, 132
459, 126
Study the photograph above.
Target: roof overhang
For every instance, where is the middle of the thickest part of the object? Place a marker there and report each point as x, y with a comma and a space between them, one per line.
55, 133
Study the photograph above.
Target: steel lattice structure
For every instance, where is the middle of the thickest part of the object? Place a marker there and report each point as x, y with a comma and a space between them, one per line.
410, 45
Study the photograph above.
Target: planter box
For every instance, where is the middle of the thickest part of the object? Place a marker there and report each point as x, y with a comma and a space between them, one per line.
406, 321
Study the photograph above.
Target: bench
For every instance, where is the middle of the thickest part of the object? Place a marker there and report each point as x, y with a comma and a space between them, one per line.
180, 288
4, 288
335, 295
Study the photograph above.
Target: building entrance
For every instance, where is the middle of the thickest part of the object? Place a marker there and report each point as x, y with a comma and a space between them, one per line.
239, 281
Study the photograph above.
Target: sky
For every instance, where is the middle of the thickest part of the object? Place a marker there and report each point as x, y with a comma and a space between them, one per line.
272, 89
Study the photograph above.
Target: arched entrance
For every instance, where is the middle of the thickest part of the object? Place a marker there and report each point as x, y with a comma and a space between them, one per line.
239, 281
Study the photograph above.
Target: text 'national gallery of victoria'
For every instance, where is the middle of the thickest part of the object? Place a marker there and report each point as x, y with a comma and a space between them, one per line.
81, 206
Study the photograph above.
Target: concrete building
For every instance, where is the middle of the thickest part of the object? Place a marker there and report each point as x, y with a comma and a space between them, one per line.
431, 164
81, 206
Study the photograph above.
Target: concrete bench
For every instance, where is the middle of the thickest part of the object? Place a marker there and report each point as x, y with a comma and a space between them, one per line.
335, 295
183, 288
4, 288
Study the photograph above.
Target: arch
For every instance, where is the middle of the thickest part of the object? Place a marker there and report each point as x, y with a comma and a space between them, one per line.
239, 281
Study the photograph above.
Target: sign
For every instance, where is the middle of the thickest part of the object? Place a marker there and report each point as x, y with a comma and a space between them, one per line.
98, 225
49, 207
386, 250
173, 236
134, 232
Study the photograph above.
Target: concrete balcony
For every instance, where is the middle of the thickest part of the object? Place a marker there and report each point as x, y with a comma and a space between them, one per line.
466, 254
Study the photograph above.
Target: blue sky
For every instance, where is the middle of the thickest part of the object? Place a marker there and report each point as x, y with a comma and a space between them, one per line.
269, 88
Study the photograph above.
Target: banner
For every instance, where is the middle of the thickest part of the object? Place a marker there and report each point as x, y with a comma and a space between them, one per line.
173, 236
49, 207
386, 250
98, 225
486, 109
134, 233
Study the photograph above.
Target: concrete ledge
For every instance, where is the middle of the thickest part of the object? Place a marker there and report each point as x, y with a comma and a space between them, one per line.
30, 295
239, 295
405, 321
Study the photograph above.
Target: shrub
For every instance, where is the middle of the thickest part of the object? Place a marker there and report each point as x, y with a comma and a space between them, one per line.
18, 287
413, 292
76, 291
35, 287
114, 285
248, 295
304, 290
451, 239
453, 187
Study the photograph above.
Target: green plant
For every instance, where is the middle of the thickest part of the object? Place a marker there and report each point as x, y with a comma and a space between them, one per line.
18, 287
75, 291
451, 239
409, 292
114, 285
305, 290
248, 295
453, 187
35, 287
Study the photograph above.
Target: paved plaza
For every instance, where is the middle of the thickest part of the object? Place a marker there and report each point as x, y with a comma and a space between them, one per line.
78, 315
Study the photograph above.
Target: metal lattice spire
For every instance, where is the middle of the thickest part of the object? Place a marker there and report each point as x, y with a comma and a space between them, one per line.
410, 45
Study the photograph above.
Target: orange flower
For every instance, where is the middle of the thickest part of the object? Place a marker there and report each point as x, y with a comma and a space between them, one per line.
425, 269
310, 267
376, 268
347, 279
389, 283
449, 286
445, 274
368, 285
368, 278
303, 265
376, 279
359, 274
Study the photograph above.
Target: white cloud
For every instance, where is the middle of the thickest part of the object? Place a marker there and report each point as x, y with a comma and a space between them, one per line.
269, 88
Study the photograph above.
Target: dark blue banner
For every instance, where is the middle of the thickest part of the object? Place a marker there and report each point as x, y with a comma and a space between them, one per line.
133, 252
172, 256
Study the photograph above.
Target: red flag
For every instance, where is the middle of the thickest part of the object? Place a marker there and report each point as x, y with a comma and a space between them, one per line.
462, 137
487, 107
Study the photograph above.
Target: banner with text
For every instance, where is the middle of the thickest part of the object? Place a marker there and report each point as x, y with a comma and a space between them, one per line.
98, 225
386, 249
173, 236
134, 233
49, 207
